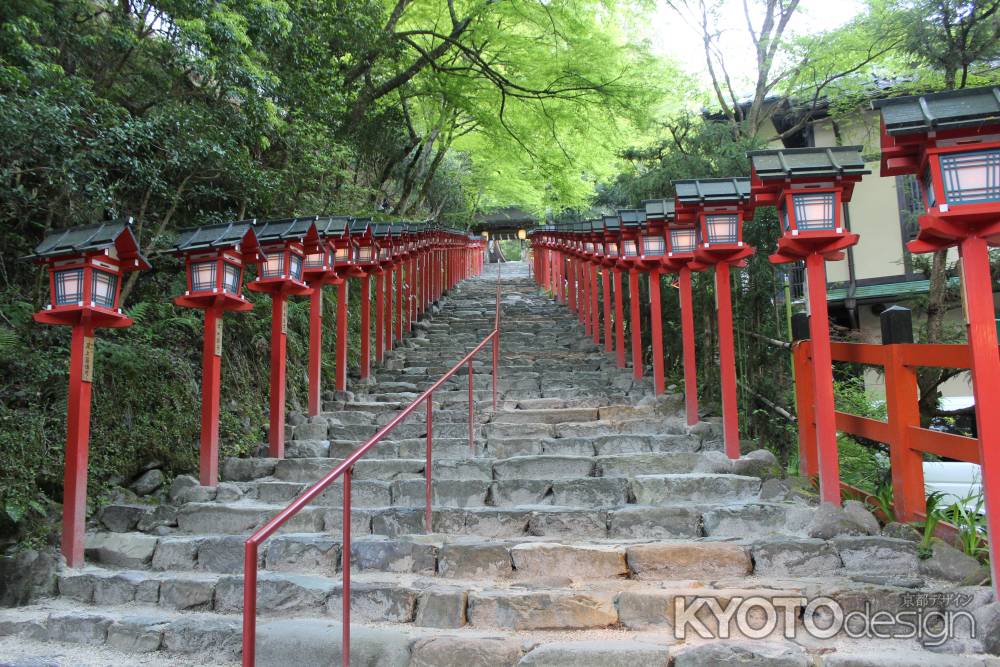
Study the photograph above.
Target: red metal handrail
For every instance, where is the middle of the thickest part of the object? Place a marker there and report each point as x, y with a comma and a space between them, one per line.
345, 468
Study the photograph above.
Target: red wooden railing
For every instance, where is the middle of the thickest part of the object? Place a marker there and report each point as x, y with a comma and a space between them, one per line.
345, 469
908, 441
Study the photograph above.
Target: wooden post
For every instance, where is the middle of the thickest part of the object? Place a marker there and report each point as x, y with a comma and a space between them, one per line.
211, 381
659, 383
279, 342
341, 359
727, 362
635, 323
619, 321
315, 348
366, 331
595, 307
687, 341
826, 424
379, 316
606, 285
81, 368
977, 291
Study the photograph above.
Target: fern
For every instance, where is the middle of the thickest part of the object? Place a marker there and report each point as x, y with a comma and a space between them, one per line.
8, 339
141, 311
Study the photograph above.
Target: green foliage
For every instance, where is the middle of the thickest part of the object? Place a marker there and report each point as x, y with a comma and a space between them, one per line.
971, 526
934, 515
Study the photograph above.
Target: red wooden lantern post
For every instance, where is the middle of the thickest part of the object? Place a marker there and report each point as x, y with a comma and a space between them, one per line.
596, 262
718, 206
681, 241
283, 242
215, 257
344, 253
810, 186
613, 249
86, 266
951, 141
632, 221
321, 269
652, 251
366, 262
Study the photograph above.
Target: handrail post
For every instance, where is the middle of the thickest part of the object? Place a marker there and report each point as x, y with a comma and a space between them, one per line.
902, 411
429, 462
496, 359
472, 442
249, 603
345, 567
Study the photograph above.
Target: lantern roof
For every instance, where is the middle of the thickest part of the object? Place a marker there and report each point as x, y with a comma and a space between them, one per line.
611, 223
953, 109
597, 225
381, 230
220, 236
287, 229
336, 226
632, 217
361, 226
117, 234
709, 190
659, 208
785, 163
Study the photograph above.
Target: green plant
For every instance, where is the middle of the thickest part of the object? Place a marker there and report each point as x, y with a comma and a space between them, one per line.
934, 514
883, 501
971, 526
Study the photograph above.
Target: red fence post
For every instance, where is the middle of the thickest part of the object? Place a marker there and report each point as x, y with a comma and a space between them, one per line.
619, 320
77, 445
428, 481
341, 359
687, 341
826, 427
727, 362
609, 345
659, 383
379, 316
398, 271
315, 347
279, 340
345, 562
472, 407
366, 331
635, 323
595, 306
211, 380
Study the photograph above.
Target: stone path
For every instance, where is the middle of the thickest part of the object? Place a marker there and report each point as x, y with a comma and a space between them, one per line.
587, 510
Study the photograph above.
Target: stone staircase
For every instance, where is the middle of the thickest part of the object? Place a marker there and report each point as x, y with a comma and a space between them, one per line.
586, 513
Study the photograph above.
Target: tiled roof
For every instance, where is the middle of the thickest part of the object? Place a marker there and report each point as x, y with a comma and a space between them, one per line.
713, 190
284, 229
660, 208
787, 162
80, 240
969, 107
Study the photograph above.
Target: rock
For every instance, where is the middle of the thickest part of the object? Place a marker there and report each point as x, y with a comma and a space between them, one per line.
26, 576
149, 482
131, 550
441, 608
224, 553
135, 636
163, 516
180, 484
861, 515
690, 560
464, 651
597, 654
554, 610
176, 554
190, 594
311, 431
307, 642
303, 553
901, 531
473, 561
78, 628
227, 492
988, 627
859, 553
345, 396
898, 657
123, 518
829, 521
217, 637
775, 489
758, 463
295, 418
538, 559
756, 653
947, 562
796, 557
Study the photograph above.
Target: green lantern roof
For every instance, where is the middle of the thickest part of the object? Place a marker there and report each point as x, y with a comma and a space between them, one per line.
791, 162
708, 190
969, 107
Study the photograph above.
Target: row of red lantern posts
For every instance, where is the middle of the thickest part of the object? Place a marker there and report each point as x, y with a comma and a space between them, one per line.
293, 257
950, 141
